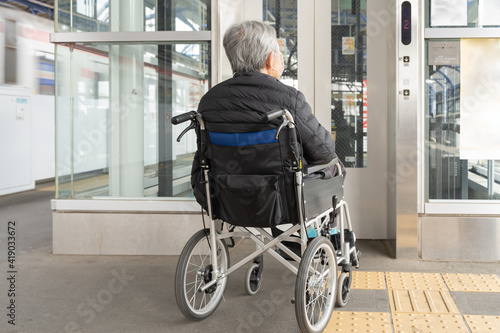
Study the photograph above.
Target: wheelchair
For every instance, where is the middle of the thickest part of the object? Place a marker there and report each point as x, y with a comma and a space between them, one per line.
245, 199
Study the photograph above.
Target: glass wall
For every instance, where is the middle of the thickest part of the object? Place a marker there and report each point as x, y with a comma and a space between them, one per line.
103, 15
349, 84
114, 103
461, 89
114, 100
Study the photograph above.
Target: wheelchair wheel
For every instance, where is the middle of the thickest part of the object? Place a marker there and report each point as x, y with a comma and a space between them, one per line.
194, 269
252, 279
315, 286
344, 287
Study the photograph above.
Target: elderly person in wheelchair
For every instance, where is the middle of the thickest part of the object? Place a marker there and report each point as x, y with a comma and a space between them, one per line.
264, 160
257, 64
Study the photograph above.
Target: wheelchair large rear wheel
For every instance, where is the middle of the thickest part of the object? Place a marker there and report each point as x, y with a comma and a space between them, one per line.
194, 270
315, 286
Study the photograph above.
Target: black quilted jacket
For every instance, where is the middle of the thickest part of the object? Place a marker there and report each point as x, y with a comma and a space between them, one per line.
243, 98
260, 92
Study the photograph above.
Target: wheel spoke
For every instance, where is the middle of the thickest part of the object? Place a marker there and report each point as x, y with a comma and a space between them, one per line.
203, 299
196, 262
188, 291
311, 318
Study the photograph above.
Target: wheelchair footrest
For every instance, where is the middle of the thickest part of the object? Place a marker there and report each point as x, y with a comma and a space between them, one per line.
348, 238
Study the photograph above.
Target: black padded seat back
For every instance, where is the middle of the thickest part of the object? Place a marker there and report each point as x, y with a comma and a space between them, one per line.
251, 175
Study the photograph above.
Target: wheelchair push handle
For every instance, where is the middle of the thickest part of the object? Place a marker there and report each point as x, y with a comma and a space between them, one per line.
183, 117
271, 115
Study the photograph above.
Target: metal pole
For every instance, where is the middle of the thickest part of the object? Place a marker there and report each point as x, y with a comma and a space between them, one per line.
491, 179
165, 22
359, 79
278, 18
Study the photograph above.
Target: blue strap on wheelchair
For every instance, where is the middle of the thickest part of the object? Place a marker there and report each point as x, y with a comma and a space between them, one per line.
312, 233
243, 139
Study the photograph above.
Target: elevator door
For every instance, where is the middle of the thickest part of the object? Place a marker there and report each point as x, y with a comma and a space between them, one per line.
343, 72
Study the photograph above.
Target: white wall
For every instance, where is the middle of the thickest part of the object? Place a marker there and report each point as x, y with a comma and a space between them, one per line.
43, 134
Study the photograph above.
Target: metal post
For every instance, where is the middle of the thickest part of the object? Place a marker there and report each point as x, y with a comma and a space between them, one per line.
278, 18
491, 179
165, 22
359, 79
131, 103
71, 124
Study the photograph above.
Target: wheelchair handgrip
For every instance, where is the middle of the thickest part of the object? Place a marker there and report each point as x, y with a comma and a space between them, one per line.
183, 117
271, 115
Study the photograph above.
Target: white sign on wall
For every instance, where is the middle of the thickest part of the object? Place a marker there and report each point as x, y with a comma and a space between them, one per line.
480, 99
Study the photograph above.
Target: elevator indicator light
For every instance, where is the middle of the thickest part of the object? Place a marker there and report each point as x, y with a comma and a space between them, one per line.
406, 23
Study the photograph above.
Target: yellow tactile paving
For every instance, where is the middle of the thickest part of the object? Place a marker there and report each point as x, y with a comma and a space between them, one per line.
415, 281
368, 280
428, 323
377, 322
473, 282
422, 301
479, 324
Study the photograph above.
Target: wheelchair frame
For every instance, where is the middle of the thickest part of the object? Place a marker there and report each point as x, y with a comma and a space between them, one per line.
308, 279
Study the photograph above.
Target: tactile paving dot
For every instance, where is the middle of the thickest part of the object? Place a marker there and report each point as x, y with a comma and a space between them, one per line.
415, 281
377, 322
428, 323
368, 280
473, 282
478, 324
422, 301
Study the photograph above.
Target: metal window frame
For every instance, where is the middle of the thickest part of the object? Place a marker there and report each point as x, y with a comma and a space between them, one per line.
127, 205
467, 206
143, 37
457, 33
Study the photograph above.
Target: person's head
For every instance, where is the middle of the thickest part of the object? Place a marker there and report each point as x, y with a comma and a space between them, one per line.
251, 46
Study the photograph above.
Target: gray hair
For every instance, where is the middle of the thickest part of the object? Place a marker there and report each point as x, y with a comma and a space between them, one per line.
248, 44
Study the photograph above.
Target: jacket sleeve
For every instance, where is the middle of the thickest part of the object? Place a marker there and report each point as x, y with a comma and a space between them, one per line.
317, 142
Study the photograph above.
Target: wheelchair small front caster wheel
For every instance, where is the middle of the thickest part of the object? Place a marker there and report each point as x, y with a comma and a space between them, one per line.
252, 279
343, 289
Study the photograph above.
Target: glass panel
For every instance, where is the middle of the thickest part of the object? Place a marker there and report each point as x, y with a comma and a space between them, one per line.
349, 85
132, 15
490, 13
282, 14
448, 176
114, 104
10, 60
45, 73
463, 13
448, 13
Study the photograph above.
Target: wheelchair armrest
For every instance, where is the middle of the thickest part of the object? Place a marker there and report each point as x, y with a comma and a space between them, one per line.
309, 169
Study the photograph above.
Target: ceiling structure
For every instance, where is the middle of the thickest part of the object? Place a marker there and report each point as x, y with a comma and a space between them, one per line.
42, 8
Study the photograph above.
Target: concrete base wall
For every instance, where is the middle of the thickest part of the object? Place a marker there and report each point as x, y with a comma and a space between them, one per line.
122, 234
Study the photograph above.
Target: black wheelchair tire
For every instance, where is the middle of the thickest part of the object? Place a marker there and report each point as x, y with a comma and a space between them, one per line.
319, 249
182, 299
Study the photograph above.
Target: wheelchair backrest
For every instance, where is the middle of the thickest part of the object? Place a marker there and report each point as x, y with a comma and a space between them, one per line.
251, 172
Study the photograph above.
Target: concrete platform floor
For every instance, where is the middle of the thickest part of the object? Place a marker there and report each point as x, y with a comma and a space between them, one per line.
136, 293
